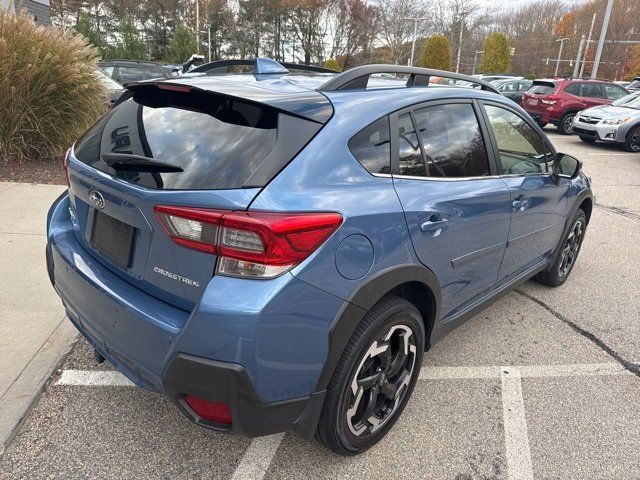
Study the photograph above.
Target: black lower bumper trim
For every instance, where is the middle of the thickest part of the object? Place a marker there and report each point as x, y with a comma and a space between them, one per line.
230, 383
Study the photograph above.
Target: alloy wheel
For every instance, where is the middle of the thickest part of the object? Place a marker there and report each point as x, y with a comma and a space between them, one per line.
570, 250
635, 141
381, 380
568, 124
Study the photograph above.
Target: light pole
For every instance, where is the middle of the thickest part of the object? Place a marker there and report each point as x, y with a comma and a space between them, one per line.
460, 43
197, 26
586, 48
603, 35
475, 60
561, 40
415, 30
208, 32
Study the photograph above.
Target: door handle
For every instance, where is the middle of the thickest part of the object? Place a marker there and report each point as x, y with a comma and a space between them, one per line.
520, 204
435, 225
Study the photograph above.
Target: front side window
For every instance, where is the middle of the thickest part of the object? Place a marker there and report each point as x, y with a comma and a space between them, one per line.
614, 92
452, 141
521, 148
371, 147
409, 155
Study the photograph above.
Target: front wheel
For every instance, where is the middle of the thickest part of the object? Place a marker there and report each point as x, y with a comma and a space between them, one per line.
632, 143
565, 127
374, 378
568, 252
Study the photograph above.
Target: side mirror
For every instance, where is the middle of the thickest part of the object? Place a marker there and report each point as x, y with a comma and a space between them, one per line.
566, 166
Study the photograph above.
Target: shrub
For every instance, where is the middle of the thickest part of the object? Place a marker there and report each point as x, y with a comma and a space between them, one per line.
497, 55
50, 94
436, 53
333, 64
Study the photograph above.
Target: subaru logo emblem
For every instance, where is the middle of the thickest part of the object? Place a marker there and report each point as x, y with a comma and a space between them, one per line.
97, 199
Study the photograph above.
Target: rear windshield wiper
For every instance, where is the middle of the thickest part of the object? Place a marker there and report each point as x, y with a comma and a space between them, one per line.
137, 163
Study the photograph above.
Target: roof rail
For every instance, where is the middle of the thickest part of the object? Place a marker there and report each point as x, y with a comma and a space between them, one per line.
357, 78
222, 66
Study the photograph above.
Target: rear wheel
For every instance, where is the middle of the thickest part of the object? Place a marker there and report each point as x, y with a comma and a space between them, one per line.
587, 139
566, 257
374, 378
632, 143
565, 127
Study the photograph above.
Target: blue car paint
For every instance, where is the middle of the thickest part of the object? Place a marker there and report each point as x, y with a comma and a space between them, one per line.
277, 329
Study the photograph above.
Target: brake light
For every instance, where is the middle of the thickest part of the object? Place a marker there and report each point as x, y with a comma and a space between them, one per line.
213, 411
249, 244
550, 100
65, 166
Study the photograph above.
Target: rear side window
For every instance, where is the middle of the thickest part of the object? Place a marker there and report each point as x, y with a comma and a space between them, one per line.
452, 141
410, 161
130, 74
209, 141
573, 89
592, 90
371, 147
543, 88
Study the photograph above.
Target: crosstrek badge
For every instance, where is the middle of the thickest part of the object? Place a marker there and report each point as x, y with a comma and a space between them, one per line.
175, 276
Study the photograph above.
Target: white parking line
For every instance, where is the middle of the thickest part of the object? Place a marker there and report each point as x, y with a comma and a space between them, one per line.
515, 426
257, 458
94, 378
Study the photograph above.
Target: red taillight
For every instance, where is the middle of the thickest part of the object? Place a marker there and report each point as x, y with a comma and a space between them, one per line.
213, 411
249, 244
65, 166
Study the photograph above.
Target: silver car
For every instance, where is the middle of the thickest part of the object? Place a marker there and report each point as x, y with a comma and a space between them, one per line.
615, 123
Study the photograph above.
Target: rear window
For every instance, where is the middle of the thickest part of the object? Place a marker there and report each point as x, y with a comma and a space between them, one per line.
217, 142
542, 88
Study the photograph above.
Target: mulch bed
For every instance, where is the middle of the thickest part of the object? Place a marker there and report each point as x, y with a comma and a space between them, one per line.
33, 171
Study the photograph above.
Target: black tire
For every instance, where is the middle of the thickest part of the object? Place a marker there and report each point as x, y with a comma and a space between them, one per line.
587, 139
567, 254
565, 126
345, 425
632, 143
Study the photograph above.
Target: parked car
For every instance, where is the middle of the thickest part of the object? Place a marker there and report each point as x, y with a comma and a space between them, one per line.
489, 77
616, 123
557, 100
634, 85
128, 71
114, 90
275, 252
513, 89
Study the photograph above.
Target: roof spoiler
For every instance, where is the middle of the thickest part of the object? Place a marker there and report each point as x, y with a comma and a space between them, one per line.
357, 78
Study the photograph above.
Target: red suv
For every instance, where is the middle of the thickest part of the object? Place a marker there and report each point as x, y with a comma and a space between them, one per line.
557, 100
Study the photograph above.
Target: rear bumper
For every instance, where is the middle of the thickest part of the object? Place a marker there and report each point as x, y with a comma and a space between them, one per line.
252, 356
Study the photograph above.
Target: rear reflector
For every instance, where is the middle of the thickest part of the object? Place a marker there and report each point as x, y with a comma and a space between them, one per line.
249, 244
213, 411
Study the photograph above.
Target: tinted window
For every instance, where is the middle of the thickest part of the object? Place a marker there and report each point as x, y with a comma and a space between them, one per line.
155, 73
130, 74
614, 92
591, 90
573, 89
371, 147
543, 88
452, 141
409, 155
634, 84
509, 87
217, 141
521, 148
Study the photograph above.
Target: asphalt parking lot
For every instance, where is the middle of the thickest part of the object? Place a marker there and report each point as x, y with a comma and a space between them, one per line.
545, 384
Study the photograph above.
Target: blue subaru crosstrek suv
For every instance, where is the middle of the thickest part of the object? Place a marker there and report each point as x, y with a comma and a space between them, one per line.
275, 250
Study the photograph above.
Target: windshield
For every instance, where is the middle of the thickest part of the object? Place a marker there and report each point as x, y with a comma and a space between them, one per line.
631, 98
634, 84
